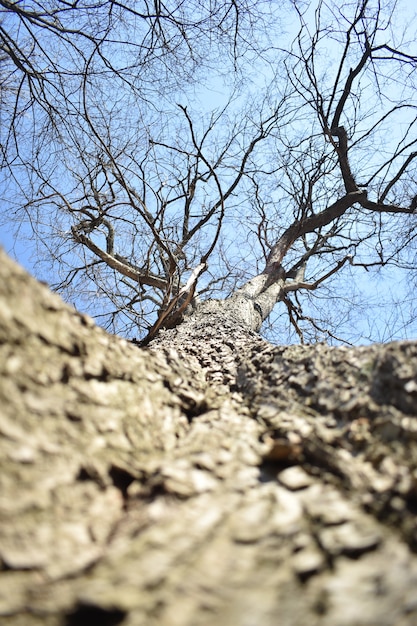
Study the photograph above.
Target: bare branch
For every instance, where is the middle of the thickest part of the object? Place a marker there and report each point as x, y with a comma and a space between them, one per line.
126, 270
310, 224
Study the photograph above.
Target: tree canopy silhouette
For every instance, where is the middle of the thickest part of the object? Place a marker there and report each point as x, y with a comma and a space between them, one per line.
162, 153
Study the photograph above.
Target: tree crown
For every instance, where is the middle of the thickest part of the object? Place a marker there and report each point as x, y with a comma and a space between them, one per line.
172, 152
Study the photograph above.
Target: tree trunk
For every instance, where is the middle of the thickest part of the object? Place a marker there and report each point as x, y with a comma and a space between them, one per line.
209, 479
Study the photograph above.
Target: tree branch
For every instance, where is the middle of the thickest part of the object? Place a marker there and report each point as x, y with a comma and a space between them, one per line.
310, 224
142, 278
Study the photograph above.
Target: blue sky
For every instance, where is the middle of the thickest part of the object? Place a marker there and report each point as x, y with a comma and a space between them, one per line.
23, 248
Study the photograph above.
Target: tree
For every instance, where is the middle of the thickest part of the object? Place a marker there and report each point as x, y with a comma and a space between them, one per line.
318, 171
209, 477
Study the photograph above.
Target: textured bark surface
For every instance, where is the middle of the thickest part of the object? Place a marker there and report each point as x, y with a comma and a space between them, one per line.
210, 479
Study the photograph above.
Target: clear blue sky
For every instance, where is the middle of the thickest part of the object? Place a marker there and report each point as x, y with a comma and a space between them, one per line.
24, 250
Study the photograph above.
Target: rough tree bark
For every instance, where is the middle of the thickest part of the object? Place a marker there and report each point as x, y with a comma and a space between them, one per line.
210, 478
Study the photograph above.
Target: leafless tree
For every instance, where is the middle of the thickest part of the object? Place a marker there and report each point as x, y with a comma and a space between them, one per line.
194, 175
297, 181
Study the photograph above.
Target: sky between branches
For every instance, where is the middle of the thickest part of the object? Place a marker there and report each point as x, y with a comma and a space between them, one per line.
385, 308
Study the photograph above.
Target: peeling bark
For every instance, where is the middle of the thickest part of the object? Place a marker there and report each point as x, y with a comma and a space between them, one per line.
210, 478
